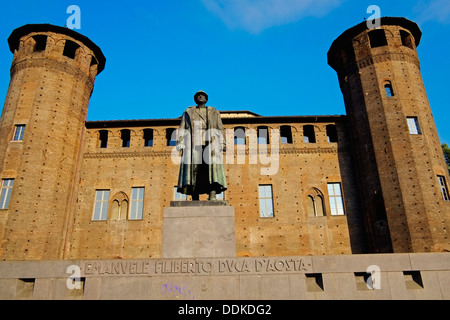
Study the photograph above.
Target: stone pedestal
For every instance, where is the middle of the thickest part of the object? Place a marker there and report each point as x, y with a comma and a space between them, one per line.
199, 229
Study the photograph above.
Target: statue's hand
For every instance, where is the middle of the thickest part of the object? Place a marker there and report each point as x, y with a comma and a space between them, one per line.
180, 147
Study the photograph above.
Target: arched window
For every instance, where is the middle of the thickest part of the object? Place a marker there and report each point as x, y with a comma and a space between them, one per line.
103, 137
310, 206
41, 42
263, 135
286, 134
125, 135
314, 204
70, 49
318, 206
239, 136
119, 207
171, 137
309, 134
148, 137
388, 89
407, 39
332, 136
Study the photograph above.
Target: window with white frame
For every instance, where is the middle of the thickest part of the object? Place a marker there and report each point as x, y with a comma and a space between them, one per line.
18, 132
101, 205
336, 200
137, 203
5, 193
413, 125
266, 201
443, 187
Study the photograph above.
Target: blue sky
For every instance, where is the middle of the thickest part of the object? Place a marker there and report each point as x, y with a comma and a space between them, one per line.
266, 56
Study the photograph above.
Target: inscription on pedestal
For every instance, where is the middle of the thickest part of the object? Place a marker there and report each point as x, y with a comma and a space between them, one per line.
223, 266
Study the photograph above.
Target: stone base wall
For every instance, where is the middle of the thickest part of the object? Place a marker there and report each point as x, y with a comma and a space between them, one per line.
394, 276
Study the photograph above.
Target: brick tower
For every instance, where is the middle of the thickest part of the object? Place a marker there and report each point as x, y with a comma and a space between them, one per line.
41, 133
402, 173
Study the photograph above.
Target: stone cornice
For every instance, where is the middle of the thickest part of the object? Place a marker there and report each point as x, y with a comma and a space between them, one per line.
155, 154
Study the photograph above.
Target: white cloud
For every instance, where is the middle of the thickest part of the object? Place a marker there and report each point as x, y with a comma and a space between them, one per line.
255, 16
433, 10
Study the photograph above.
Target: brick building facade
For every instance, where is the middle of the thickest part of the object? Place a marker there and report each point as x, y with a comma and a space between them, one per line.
371, 181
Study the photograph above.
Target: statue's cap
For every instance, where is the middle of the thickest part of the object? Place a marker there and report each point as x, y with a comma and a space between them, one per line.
200, 92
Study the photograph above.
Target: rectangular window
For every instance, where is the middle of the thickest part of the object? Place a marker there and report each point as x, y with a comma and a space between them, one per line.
148, 137
103, 135
5, 194
413, 125
377, 38
125, 135
70, 49
171, 137
443, 187
286, 134
101, 205
18, 132
266, 201
41, 42
137, 203
239, 136
263, 135
309, 134
336, 201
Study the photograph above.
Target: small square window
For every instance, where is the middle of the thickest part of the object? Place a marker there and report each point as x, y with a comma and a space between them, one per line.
377, 38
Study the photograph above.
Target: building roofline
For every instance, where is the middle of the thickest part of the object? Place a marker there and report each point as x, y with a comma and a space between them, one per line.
18, 33
176, 121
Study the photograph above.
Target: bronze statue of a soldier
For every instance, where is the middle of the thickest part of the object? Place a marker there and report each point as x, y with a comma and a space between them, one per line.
201, 138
